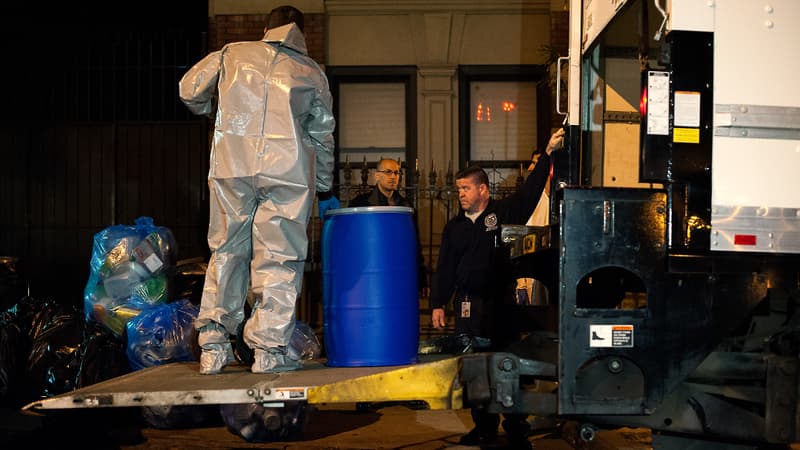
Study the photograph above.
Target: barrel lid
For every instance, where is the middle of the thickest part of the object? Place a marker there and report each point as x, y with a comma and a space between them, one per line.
369, 209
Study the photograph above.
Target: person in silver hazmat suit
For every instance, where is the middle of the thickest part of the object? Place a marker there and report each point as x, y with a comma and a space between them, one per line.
272, 150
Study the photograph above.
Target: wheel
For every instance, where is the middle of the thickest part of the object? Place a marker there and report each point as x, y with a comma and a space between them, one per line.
257, 423
587, 432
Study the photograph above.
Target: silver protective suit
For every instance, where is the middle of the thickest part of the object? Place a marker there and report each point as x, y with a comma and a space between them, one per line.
272, 148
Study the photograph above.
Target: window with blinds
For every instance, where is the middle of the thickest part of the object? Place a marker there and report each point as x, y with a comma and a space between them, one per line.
371, 122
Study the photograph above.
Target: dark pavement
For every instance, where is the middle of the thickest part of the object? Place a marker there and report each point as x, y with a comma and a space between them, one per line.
340, 426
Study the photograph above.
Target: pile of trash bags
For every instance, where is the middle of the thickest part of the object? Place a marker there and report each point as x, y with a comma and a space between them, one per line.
139, 306
130, 293
138, 311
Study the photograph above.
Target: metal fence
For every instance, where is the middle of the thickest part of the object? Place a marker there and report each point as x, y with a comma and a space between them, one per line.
432, 193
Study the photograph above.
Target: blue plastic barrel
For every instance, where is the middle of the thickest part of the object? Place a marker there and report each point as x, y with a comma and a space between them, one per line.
369, 283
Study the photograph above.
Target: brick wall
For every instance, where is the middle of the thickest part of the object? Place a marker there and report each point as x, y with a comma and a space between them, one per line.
315, 36
223, 29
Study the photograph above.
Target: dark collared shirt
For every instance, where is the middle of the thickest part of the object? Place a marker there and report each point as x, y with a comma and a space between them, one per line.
376, 198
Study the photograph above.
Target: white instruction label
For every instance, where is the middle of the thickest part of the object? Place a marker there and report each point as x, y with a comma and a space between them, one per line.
687, 109
611, 336
657, 103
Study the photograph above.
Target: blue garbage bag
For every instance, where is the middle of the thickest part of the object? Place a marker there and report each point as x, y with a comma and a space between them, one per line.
130, 269
161, 334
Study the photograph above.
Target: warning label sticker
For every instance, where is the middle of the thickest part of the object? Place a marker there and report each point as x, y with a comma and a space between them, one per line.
611, 336
686, 135
291, 393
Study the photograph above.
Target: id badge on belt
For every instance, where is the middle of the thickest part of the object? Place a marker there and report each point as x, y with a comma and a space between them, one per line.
465, 307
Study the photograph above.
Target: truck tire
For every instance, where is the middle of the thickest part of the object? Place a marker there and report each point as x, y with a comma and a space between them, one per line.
257, 423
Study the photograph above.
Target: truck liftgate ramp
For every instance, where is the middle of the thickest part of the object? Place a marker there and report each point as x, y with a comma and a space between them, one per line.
433, 380
442, 381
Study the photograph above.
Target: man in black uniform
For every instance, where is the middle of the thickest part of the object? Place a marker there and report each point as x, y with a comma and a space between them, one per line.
473, 268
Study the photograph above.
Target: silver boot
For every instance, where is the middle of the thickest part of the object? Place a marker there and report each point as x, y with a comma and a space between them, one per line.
217, 351
273, 360
213, 361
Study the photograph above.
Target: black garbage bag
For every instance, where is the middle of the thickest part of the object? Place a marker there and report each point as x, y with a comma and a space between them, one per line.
257, 423
23, 313
12, 285
54, 361
102, 355
190, 275
14, 348
453, 344
303, 345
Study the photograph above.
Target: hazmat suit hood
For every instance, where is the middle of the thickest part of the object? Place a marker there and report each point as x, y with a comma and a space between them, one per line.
287, 36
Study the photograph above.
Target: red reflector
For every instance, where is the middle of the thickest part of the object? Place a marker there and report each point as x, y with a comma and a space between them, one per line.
643, 103
744, 239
